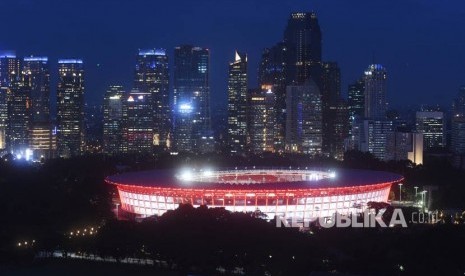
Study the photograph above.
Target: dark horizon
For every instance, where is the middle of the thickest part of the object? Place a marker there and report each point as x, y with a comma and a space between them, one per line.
419, 42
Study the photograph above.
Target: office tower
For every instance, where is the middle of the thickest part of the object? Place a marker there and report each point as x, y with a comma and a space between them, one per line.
19, 114
42, 142
331, 83
339, 129
375, 92
356, 99
376, 138
138, 122
113, 127
39, 71
304, 119
334, 126
458, 129
152, 76
9, 70
303, 40
406, 145
432, 125
70, 107
262, 120
416, 153
184, 124
237, 104
272, 72
191, 88
458, 106
458, 134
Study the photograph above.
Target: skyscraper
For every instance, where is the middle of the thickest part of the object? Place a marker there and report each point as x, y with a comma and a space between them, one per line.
273, 72
458, 140
262, 120
138, 122
376, 138
237, 104
9, 70
19, 114
375, 92
113, 125
42, 141
191, 88
70, 107
152, 76
432, 125
304, 119
458, 107
334, 126
184, 125
39, 71
303, 40
405, 145
458, 129
339, 129
356, 99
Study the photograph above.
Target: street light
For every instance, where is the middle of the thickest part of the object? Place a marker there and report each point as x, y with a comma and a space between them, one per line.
400, 192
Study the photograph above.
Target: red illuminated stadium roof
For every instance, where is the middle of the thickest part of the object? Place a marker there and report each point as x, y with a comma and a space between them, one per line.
168, 179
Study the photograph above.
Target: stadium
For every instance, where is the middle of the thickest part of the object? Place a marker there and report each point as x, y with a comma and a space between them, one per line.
301, 193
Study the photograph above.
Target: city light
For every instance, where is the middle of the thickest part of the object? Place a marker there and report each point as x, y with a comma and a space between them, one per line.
186, 175
185, 108
70, 61
28, 154
208, 173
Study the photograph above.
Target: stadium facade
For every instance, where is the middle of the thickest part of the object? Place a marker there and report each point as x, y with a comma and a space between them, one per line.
301, 193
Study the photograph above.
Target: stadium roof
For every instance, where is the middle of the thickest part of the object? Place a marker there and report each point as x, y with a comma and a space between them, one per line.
168, 179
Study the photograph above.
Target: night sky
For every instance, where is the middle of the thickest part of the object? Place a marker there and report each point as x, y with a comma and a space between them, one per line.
421, 42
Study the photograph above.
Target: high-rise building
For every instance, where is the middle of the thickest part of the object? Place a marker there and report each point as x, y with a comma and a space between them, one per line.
9, 71
184, 125
303, 40
405, 145
331, 83
334, 126
432, 125
458, 107
39, 71
356, 99
375, 92
458, 135
262, 120
70, 107
42, 141
19, 114
458, 129
152, 76
304, 119
237, 104
339, 129
138, 122
376, 138
113, 124
458, 140
191, 88
272, 72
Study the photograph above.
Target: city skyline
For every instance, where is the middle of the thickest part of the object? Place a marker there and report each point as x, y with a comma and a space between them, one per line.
405, 61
